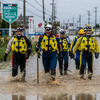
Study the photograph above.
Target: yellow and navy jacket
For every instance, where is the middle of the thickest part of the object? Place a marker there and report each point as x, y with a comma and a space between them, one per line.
73, 43
19, 44
49, 43
64, 43
88, 44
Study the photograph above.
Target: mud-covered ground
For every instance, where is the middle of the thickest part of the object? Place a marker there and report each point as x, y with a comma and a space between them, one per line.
69, 87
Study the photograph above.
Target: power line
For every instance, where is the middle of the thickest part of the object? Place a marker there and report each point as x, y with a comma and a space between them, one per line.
36, 8
30, 12
33, 13
41, 6
33, 6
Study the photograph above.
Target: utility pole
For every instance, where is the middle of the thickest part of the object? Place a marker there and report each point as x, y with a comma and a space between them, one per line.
68, 23
52, 11
95, 19
54, 14
24, 14
63, 24
79, 20
88, 17
77, 24
43, 12
73, 23
54, 18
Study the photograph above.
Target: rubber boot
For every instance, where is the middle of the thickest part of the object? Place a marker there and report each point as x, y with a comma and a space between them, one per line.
61, 72
23, 77
53, 74
90, 76
14, 71
82, 70
61, 67
82, 76
65, 73
65, 68
77, 64
77, 67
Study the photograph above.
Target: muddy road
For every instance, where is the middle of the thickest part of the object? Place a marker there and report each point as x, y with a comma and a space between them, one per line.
68, 87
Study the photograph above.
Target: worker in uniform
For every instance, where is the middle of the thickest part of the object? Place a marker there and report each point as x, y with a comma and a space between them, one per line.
65, 46
77, 56
87, 46
21, 49
49, 44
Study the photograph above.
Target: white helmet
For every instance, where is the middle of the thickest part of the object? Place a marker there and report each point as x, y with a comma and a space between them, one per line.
48, 26
62, 31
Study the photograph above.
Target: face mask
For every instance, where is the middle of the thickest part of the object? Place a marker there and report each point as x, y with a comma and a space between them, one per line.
18, 35
48, 34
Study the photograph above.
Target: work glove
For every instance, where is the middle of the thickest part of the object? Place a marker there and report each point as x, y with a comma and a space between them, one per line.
60, 56
5, 57
39, 54
28, 53
96, 55
70, 54
27, 56
36, 49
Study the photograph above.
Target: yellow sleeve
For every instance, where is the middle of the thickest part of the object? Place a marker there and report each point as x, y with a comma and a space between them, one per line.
72, 45
96, 46
77, 45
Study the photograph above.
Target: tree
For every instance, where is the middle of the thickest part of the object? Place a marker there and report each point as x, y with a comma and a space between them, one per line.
0, 24
97, 26
4, 24
14, 25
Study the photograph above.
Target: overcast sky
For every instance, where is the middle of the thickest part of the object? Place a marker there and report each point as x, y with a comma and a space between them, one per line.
65, 9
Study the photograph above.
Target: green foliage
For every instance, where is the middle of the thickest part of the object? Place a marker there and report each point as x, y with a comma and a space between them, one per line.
33, 47
1, 42
97, 26
4, 24
0, 24
6, 39
3, 49
14, 25
2, 53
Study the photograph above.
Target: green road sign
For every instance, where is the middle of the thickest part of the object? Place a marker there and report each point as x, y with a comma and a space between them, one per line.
10, 12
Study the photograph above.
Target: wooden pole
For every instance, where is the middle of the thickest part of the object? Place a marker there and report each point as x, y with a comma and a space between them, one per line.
37, 69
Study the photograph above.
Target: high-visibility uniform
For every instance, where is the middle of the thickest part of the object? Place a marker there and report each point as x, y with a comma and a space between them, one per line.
65, 46
19, 45
49, 45
77, 56
87, 46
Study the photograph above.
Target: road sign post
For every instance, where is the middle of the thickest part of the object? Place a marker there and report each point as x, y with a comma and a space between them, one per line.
10, 14
10, 29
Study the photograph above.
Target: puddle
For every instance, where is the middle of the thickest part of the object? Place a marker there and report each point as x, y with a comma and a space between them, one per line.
53, 97
62, 89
